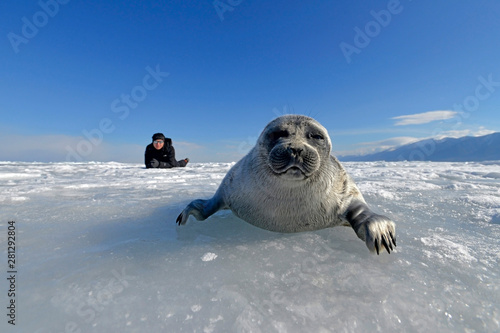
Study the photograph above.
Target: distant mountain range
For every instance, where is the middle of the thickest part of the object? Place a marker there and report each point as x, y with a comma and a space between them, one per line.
465, 149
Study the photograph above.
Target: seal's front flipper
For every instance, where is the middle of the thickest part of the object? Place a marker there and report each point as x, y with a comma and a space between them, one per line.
201, 209
376, 230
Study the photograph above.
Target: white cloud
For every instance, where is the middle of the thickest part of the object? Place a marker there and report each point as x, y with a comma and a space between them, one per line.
371, 147
482, 131
391, 142
465, 132
423, 118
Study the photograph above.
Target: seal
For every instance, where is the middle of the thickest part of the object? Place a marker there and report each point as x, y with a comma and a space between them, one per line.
290, 182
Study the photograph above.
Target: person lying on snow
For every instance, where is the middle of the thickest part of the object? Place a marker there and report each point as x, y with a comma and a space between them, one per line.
161, 154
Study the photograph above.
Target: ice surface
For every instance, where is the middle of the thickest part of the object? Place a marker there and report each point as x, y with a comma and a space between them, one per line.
98, 250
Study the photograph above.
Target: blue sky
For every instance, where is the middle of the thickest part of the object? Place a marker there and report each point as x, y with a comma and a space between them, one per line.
93, 80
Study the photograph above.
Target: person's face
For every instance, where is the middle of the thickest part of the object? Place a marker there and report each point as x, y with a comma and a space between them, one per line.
158, 144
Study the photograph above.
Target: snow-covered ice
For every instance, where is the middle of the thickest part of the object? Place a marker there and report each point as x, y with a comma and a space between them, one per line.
98, 250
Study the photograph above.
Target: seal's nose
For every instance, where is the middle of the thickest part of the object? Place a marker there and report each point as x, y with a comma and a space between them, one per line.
295, 151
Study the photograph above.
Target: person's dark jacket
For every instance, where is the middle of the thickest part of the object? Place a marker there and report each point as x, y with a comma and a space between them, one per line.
163, 158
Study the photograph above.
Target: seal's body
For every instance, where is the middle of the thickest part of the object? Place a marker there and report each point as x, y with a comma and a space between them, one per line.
289, 182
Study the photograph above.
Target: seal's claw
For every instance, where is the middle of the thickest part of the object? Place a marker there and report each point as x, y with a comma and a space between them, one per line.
387, 246
393, 239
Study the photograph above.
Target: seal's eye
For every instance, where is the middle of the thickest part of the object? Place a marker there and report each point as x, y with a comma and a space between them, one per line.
316, 136
278, 135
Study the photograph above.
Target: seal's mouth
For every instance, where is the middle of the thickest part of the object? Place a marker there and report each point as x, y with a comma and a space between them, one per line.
293, 172
294, 169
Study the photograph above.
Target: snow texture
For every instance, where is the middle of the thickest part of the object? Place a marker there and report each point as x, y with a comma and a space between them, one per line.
98, 250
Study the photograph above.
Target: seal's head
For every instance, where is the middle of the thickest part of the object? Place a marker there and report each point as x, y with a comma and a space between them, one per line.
294, 146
